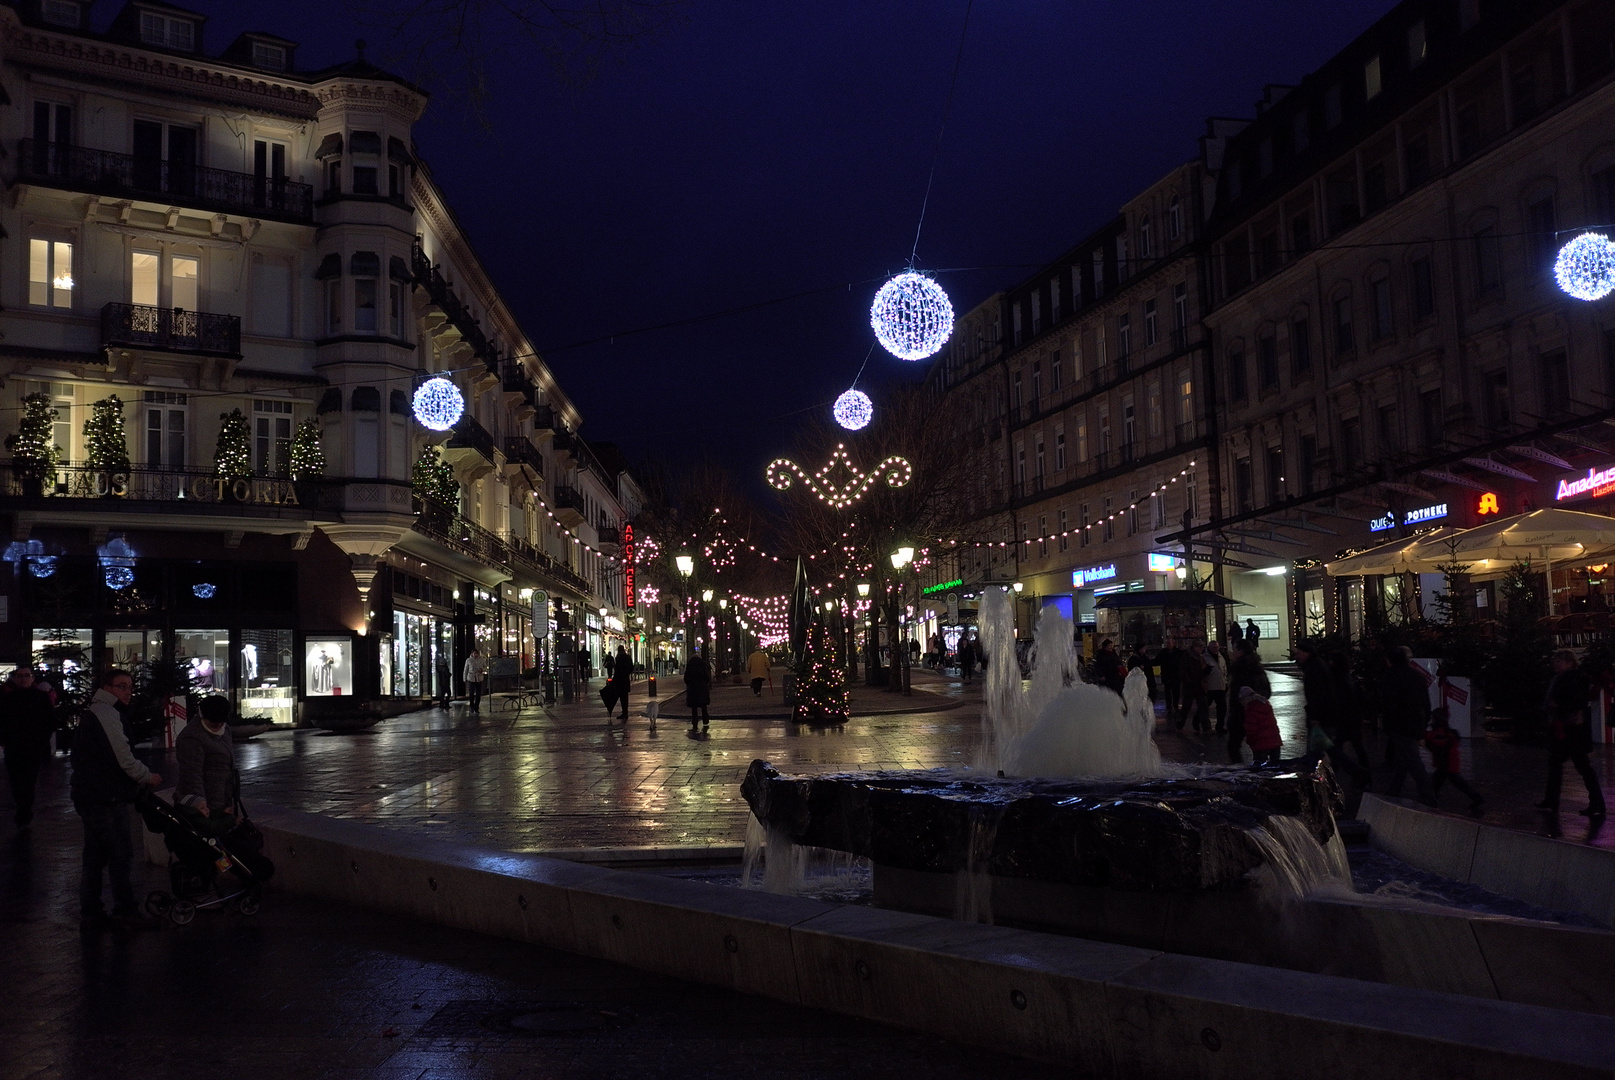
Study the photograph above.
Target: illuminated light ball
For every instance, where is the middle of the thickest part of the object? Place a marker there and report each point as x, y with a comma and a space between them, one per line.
854, 410
204, 591
438, 404
911, 316
1585, 268
118, 577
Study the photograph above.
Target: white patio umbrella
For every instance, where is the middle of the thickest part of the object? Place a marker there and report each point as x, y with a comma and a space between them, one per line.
1387, 558
1541, 536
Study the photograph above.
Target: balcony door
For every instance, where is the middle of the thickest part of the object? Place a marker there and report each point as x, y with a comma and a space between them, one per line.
162, 279
165, 157
269, 174
272, 437
165, 429
53, 134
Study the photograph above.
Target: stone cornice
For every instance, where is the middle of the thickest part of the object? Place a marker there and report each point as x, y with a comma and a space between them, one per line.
399, 100
193, 78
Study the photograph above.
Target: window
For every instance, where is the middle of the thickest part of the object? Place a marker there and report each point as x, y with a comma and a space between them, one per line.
1123, 262
1098, 274
1309, 462
1555, 370
1054, 371
165, 429
1132, 513
1430, 417
1037, 381
168, 32
1264, 158
1267, 362
1174, 218
1150, 334
1082, 437
165, 157
1380, 296
1086, 528
1390, 432
1268, 258
1124, 337
145, 277
61, 13
1191, 497
1015, 392
1155, 409
1054, 300
61, 399
1064, 529
1468, 14
268, 56
271, 296
1015, 315
1043, 536
1375, 193
1471, 129
1236, 376
1331, 107
53, 134
1180, 309
1424, 288
1020, 467
1185, 399
366, 269
1275, 475
1300, 349
1144, 240
1038, 448
396, 296
1301, 232
1371, 79
1244, 495
1542, 223
1499, 405
1158, 510
1418, 48
160, 279
333, 177
333, 306
269, 174
272, 437
1344, 340
1488, 262
365, 180
1301, 131
1059, 451
50, 273
1351, 443
1104, 433
1037, 312
1416, 152
1603, 194
1129, 428
1110, 519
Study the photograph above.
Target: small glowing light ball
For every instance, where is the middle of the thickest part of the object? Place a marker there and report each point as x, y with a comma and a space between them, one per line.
118, 577
854, 410
1585, 267
204, 591
911, 316
438, 404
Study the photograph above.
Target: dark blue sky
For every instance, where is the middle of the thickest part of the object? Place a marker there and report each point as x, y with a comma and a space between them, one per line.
754, 150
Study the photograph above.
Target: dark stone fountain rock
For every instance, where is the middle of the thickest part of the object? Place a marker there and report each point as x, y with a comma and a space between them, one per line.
1185, 834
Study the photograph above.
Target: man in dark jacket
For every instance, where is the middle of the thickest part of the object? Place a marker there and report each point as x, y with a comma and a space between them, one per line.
1570, 737
698, 688
106, 777
1169, 657
622, 676
25, 727
1407, 714
1253, 634
1109, 666
1324, 707
1138, 659
1244, 670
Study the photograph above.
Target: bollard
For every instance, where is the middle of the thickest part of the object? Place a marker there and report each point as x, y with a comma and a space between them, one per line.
653, 686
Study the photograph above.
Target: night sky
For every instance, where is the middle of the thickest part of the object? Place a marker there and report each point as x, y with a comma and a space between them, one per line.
751, 151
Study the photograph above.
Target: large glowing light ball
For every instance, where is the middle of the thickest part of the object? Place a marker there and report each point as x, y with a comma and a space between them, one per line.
911, 316
853, 410
438, 404
1585, 267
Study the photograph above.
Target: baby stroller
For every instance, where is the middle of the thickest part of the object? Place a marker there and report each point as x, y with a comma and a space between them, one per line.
225, 872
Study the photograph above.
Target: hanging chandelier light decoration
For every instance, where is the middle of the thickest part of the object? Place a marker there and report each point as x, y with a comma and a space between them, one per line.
782, 472
1585, 268
438, 404
912, 317
853, 410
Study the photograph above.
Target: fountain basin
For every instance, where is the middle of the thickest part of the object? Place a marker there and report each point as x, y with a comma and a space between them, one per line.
1190, 833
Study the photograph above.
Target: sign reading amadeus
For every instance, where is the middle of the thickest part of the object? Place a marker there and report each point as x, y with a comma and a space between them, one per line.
1412, 517
1081, 579
1597, 483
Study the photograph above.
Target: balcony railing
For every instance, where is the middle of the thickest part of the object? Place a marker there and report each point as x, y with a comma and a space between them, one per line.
471, 435
516, 380
544, 418
609, 536
138, 326
567, 498
520, 451
438, 291
124, 176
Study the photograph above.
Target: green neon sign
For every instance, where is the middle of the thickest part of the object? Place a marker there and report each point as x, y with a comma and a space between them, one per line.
944, 587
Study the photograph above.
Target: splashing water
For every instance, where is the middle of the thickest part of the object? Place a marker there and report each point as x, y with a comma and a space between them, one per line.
973, 885
777, 864
1295, 865
1059, 726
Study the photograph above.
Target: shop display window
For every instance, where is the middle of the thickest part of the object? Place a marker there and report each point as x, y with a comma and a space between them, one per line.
132, 650
328, 666
205, 655
268, 676
64, 651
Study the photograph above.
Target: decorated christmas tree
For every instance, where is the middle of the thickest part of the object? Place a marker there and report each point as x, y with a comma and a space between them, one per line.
308, 458
34, 454
104, 438
433, 479
821, 690
232, 455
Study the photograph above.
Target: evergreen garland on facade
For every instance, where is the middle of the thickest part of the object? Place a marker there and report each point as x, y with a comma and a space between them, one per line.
103, 436
821, 691
33, 453
308, 457
433, 479
232, 455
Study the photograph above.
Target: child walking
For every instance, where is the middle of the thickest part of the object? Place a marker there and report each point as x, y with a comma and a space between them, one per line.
1443, 744
1261, 727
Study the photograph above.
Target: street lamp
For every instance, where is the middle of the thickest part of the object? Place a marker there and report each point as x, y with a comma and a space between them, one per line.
1019, 586
685, 562
706, 596
863, 590
901, 557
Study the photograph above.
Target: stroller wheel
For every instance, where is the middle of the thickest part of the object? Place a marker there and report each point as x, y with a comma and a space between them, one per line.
249, 904
182, 912
158, 903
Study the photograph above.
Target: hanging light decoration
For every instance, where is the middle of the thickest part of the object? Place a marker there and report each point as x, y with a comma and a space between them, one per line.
438, 404
1585, 268
782, 472
853, 410
911, 316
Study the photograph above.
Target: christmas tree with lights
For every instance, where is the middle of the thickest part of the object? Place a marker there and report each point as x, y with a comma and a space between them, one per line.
232, 454
34, 454
821, 690
308, 458
104, 440
433, 479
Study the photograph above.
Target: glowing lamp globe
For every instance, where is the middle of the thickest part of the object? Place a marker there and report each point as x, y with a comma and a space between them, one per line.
438, 404
854, 410
1585, 268
911, 316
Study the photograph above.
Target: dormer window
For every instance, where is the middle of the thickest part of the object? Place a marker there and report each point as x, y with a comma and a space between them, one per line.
269, 57
167, 31
65, 13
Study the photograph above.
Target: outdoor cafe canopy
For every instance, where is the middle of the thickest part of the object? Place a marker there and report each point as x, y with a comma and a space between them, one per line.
1541, 536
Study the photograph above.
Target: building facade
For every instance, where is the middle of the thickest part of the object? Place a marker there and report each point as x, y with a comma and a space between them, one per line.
254, 261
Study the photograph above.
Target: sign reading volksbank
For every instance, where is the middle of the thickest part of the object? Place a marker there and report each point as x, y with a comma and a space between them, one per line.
1085, 577
1596, 483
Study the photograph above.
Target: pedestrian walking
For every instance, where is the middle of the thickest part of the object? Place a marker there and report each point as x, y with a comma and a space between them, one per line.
1323, 705
1192, 689
1570, 737
1407, 714
1446, 761
967, 659
1137, 659
1217, 685
474, 671
207, 768
106, 778
757, 666
1170, 657
1253, 634
445, 678
622, 677
1244, 670
1261, 727
1110, 669
698, 688
26, 721
1349, 710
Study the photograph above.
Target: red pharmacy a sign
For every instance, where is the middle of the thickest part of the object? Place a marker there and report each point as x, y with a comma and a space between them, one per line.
1487, 504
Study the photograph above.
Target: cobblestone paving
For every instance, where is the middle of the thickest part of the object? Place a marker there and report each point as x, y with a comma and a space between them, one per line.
312, 991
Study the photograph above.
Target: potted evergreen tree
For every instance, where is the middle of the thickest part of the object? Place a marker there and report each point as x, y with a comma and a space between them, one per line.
108, 449
34, 454
232, 454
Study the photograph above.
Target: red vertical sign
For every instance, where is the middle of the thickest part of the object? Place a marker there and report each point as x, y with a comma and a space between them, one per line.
628, 567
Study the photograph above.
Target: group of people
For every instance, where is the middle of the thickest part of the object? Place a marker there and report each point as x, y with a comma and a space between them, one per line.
966, 655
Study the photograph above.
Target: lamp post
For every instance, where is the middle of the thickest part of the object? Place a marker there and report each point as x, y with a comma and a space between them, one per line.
725, 638
863, 594
902, 557
686, 567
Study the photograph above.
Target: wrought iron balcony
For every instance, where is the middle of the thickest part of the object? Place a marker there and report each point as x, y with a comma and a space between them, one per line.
517, 381
124, 176
471, 435
610, 538
544, 418
520, 451
459, 316
138, 326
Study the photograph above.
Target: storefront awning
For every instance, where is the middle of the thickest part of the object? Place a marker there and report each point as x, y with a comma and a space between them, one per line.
1165, 598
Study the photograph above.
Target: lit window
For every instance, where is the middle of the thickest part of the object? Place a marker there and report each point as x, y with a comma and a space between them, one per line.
1371, 78
50, 273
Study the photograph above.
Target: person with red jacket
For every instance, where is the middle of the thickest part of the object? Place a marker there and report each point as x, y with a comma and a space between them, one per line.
1443, 744
1261, 727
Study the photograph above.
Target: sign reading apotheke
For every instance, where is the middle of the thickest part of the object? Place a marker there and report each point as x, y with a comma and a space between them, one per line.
1412, 517
1081, 579
1597, 483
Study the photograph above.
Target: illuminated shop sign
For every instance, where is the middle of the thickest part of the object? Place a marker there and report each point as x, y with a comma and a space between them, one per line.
628, 568
1596, 483
1487, 504
1163, 564
943, 586
1412, 517
1081, 579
